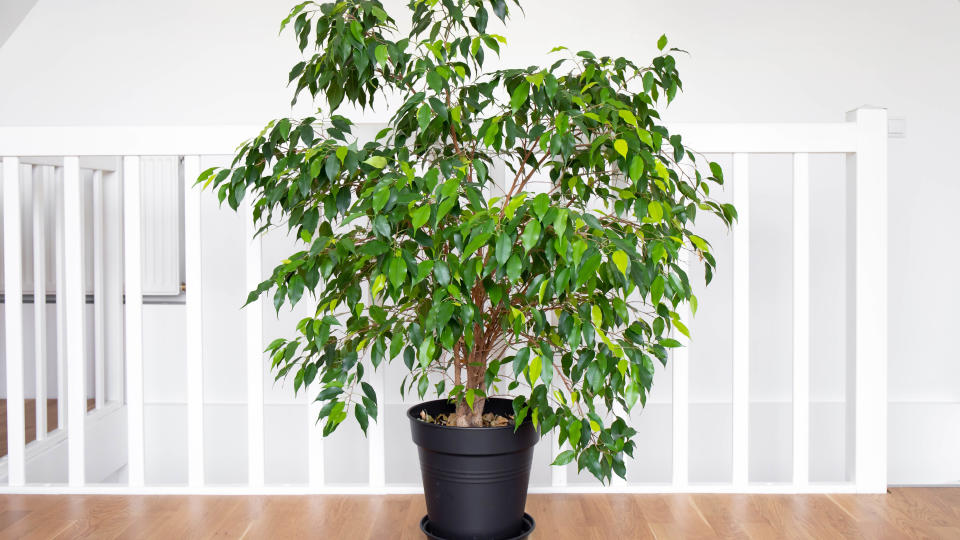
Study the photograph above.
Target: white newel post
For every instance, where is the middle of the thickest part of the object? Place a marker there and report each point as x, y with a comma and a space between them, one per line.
867, 261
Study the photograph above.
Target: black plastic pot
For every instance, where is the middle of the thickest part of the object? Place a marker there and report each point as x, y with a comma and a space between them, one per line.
474, 479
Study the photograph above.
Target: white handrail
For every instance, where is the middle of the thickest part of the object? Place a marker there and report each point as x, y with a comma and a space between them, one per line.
835, 137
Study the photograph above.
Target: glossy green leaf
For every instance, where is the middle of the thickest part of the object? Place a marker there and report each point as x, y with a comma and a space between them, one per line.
564, 458
620, 146
621, 259
504, 248
514, 267
442, 273
420, 216
519, 95
398, 272
530, 235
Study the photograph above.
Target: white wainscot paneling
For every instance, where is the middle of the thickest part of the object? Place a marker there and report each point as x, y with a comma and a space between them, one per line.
165, 443
225, 444
164, 353
285, 450
923, 442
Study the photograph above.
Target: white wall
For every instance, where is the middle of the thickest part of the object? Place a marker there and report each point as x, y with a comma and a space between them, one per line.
12, 13
180, 62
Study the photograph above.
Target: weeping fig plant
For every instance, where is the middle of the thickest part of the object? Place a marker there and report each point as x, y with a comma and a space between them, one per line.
510, 232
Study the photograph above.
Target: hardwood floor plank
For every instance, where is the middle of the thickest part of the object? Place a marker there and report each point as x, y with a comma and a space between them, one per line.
904, 513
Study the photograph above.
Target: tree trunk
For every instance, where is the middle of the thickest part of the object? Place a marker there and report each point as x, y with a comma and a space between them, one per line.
467, 418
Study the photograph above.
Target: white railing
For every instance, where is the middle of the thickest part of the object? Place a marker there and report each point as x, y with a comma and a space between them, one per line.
862, 138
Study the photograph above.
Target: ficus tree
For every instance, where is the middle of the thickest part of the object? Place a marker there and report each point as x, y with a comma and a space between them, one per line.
428, 244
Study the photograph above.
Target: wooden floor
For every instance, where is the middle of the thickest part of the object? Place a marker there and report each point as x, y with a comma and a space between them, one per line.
904, 513
30, 420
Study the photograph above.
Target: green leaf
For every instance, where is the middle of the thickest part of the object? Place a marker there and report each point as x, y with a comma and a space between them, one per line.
500, 9
442, 272
535, 367
632, 393
519, 96
381, 53
662, 42
546, 374
628, 117
716, 171
654, 211
426, 352
409, 355
589, 269
520, 360
514, 267
513, 204
471, 395
504, 248
621, 259
361, 415
564, 458
700, 243
423, 117
656, 290
382, 226
435, 81
550, 84
645, 137
648, 81
380, 199
531, 233
423, 270
283, 127
560, 222
474, 245
540, 204
398, 271
420, 216
423, 385
621, 147
636, 168
376, 161
574, 431
356, 30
